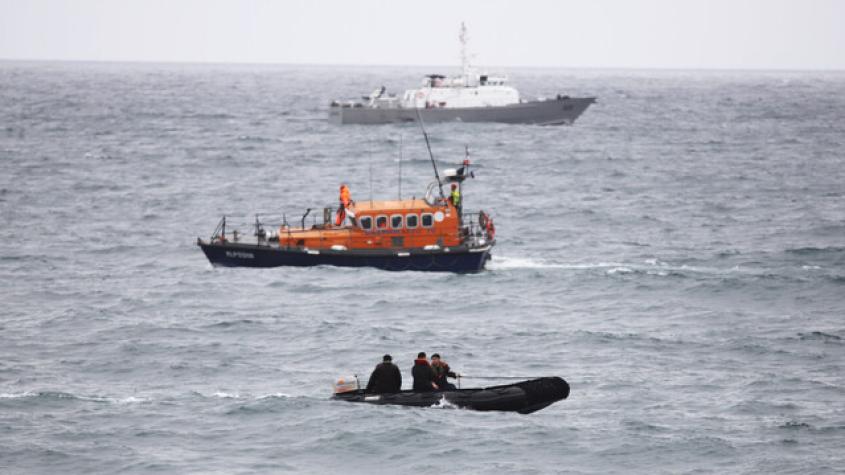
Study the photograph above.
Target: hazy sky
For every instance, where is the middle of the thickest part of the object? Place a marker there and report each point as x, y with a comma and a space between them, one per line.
745, 34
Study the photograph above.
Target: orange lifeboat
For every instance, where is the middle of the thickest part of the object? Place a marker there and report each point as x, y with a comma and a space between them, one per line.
430, 234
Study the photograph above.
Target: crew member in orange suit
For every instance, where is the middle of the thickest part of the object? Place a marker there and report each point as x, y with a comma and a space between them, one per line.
345, 202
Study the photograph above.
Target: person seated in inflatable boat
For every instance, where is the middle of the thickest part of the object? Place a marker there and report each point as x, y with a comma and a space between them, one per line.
423, 374
441, 372
386, 378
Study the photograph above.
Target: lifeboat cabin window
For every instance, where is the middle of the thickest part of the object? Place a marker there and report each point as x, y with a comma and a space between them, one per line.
381, 222
427, 220
396, 221
411, 221
366, 222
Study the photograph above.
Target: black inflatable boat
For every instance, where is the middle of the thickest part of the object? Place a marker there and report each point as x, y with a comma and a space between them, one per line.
524, 397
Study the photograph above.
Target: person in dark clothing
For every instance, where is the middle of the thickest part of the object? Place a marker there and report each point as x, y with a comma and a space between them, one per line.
386, 378
423, 374
441, 372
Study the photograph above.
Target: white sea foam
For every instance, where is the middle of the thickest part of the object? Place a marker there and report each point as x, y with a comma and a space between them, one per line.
225, 395
87, 398
444, 404
504, 263
131, 400
274, 395
17, 395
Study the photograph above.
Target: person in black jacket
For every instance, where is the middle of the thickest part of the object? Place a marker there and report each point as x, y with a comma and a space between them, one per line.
423, 374
386, 378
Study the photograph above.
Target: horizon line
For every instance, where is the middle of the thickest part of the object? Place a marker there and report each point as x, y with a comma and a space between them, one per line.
397, 65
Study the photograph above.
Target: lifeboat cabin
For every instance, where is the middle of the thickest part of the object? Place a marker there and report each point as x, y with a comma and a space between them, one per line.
429, 234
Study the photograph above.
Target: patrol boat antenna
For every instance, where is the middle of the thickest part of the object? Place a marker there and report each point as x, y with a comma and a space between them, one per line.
430, 154
465, 66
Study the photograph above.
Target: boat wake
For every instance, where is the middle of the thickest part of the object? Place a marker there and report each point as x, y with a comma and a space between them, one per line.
651, 267
509, 263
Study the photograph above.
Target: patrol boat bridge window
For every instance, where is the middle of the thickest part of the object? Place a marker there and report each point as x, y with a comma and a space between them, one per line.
396, 221
366, 222
411, 221
427, 220
381, 221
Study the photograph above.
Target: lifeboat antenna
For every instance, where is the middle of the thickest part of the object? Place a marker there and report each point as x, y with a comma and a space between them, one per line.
430, 154
400, 167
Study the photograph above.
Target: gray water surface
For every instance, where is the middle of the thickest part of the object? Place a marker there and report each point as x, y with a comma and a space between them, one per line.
678, 256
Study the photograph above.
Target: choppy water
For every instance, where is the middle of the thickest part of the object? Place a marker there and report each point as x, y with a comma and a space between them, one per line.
678, 256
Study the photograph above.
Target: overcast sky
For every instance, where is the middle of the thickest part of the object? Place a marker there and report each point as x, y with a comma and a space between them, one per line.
702, 34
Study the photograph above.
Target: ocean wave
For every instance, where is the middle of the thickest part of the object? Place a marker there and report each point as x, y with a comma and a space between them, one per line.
225, 395
234, 323
274, 396
793, 425
816, 251
630, 337
66, 396
620, 270
256, 139
796, 425
208, 116
820, 336
243, 396
267, 405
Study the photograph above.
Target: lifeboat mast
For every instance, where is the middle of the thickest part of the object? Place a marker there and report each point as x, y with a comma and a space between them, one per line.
430, 154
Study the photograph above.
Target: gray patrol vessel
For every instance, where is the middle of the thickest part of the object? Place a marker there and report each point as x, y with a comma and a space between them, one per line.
471, 97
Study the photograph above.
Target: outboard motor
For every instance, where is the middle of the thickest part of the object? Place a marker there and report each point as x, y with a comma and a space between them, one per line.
346, 384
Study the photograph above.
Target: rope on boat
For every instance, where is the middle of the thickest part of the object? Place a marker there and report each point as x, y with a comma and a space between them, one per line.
463, 376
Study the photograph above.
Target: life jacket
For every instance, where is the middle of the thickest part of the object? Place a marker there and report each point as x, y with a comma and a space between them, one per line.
456, 198
345, 196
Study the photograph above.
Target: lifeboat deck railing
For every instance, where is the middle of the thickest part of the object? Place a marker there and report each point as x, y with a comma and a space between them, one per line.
264, 228
472, 227
260, 227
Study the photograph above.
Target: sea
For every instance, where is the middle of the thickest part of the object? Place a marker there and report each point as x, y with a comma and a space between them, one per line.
677, 255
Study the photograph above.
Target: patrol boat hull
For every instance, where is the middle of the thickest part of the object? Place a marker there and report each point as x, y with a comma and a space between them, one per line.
524, 397
459, 259
561, 111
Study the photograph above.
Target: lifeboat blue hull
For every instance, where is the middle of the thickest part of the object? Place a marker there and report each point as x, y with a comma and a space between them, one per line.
460, 259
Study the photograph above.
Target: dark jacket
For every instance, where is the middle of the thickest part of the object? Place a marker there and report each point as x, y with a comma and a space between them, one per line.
441, 371
423, 375
386, 378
